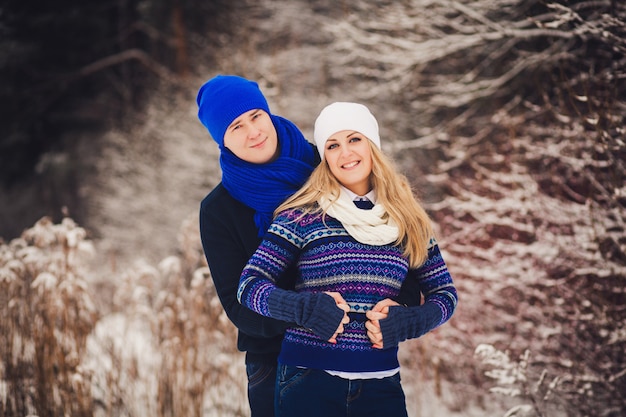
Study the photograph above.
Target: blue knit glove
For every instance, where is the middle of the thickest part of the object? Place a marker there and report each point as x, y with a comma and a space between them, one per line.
404, 323
317, 312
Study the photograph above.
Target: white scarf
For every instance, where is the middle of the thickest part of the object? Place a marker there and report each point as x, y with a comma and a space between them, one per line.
372, 227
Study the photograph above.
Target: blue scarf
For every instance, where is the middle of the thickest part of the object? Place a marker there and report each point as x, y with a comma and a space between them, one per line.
264, 187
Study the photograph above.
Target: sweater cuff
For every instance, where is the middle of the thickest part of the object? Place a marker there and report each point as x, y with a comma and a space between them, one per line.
317, 312
404, 323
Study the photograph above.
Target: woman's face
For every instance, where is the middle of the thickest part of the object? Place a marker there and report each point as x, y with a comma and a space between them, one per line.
349, 158
252, 137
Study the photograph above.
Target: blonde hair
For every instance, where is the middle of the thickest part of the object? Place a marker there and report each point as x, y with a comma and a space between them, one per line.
392, 190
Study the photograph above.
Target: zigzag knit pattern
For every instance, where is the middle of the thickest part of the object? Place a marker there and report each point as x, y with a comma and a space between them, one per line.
329, 259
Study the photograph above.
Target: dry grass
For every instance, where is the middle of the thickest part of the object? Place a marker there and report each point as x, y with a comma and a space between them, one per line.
47, 315
164, 347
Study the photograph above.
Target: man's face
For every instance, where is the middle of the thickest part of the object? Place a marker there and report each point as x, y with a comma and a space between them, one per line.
252, 137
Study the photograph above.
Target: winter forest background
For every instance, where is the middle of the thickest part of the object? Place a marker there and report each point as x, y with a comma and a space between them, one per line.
508, 116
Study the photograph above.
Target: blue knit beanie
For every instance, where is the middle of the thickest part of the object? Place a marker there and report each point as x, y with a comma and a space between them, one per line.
224, 98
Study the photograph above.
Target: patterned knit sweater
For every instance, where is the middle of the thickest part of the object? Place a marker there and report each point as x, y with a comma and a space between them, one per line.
329, 259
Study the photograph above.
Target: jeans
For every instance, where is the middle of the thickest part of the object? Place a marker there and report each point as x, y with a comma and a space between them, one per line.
261, 385
315, 393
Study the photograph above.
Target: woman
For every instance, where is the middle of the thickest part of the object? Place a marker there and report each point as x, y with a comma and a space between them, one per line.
341, 358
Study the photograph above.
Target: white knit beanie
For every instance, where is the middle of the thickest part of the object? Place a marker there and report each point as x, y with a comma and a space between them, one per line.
344, 116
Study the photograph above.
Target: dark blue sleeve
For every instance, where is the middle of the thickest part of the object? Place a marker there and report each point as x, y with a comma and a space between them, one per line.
259, 292
440, 300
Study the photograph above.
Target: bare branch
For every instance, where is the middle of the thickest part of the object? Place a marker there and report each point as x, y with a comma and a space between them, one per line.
128, 55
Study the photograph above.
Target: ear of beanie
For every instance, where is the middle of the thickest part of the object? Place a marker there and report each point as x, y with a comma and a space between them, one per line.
224, 98
340, 116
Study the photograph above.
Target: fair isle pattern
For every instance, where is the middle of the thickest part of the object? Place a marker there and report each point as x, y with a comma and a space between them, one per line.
329, 259
438, 287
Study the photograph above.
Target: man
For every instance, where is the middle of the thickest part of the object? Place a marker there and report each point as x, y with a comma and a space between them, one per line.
264, 159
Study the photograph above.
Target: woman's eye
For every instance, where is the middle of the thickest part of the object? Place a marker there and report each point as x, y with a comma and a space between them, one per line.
355, 139
331, 146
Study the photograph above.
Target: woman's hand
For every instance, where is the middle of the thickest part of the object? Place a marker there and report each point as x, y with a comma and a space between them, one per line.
342, 304
377, 313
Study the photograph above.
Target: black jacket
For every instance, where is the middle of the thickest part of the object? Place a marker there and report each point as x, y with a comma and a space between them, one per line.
229, 238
